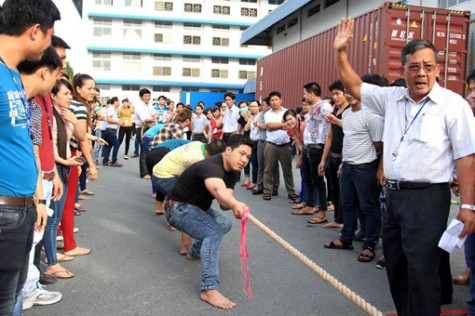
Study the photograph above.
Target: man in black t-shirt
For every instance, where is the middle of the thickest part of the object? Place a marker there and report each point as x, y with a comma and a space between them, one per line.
189, 210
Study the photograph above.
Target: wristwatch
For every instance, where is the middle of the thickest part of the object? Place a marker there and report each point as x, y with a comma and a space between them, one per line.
42, 201
468, 206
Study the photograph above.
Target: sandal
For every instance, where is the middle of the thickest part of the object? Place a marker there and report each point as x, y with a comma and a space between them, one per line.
61, 274
367, 255
343, 246
252, 186
267, 196
304, 211
78, 251
318, 219
64, 258
298, 206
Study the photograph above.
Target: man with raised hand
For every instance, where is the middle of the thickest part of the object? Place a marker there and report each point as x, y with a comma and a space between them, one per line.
428, 131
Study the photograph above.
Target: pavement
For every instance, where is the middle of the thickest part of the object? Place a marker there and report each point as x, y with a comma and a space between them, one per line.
135, 268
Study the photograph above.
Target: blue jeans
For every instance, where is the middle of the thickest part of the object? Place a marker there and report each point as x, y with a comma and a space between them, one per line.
146, 140
51, 229
16, 237
359, 191
208, 228
110, 136
97, 146
164, 185
314, 183
470, 258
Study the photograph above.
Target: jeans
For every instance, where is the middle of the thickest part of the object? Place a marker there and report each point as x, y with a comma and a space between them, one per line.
470, 257
359, 191
110, 136
311, 158
83, 177
208, 228
146, 140
164, 185
53, 222
16, 237
97, 146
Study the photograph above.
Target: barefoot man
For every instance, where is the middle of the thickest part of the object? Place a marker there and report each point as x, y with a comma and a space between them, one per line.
189, 210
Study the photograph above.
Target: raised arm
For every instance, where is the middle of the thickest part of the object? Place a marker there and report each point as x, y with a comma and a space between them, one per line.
348, 76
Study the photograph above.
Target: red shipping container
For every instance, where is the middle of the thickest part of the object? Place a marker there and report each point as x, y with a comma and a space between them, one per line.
379, 36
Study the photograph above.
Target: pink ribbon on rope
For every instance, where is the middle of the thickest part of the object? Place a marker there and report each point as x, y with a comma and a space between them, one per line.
244, 255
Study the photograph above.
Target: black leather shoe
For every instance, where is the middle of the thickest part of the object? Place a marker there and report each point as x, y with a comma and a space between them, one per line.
275, 193
257, 191
47, 279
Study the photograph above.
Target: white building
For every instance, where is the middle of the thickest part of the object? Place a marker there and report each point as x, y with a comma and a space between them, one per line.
170, 46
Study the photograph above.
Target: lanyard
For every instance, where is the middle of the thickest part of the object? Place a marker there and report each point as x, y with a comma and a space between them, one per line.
20, 88
406, 129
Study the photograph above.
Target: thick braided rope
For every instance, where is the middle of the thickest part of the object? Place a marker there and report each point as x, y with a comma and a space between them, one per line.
343, 289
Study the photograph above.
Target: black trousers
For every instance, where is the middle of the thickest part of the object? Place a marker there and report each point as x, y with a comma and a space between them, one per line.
333, 165
143, 154
127, 132
416, 267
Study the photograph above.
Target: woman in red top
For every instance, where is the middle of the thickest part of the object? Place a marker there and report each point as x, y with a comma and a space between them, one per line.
295, 128
216, 125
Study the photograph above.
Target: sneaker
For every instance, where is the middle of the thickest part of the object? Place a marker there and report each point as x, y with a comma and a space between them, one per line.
75, 229
47, 279
126, 157
59, 238
116, 164
381, 264
41, 297
360, 236
134, 156
294, 197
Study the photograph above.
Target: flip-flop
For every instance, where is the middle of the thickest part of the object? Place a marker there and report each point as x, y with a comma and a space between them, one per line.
302, 212
64, 258
61, 274
298, 206
332, 245
317, 220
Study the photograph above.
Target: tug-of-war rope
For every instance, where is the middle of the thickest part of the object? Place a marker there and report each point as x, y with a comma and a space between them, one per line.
340, 287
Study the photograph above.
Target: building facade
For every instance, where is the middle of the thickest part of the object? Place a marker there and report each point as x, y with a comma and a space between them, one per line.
171, 46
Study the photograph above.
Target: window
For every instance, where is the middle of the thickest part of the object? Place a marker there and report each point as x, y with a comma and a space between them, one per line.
191, 72
245, 74
191, 40
314, 10
247, 61
133, 3
161, 88
163, 25
292, 22
163, 6
163, 38
191, 59
192, 26
193, 7
221, 9
103, 86
130, 87
190, 89
219, 73
252, 12
220, 41
132, 30
243, 28
220, 60
103, 28
162, 57
219, 90
162, 71
330, 3
280, 29
221, 27
104, 2
131, 62
276, 1
251, 1
101, 61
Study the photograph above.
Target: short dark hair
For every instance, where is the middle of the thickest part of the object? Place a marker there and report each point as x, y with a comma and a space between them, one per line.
183, 116
415, 45
274, 94
400, 82
313, 87
375, 79
125, 100
231, 95
237, 140
217, 146
59, 83
144, 91
471, 76
16, 16
162, 97
336, 85
199, 106
201, 102
57, 41
114, 99
180, 103
50, 60
241, 102
266, 100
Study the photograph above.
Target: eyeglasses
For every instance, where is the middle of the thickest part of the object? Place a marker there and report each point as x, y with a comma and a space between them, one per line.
428, 68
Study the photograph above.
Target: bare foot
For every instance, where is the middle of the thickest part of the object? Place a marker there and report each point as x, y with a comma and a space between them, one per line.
216, 299
333, 225
191, 257
78, 251
185, 244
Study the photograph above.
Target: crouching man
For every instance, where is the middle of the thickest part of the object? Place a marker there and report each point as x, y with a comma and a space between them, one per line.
189, 210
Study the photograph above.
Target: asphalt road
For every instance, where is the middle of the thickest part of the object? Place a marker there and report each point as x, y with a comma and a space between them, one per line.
135, 268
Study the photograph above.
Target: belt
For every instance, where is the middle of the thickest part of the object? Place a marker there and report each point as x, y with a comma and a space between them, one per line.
17, 201
279, 145
362, 165
48, 175
111, 129
406, 185
317, 146
169, 203
198, 133
335, 155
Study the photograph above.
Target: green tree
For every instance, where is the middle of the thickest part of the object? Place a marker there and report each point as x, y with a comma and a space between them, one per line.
69, 71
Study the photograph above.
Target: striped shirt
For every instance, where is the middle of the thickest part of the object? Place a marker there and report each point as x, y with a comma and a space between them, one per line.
36, 115
443, 132
80, 111
361, 129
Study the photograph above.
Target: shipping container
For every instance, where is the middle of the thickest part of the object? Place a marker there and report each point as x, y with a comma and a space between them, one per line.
379, 36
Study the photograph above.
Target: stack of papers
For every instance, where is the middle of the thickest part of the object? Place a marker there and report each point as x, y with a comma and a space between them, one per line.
450, 239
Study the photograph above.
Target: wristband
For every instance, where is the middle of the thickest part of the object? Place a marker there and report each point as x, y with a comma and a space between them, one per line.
468, 206
42, 201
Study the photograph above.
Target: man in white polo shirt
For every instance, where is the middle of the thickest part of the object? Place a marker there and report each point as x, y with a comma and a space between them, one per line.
231, 116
